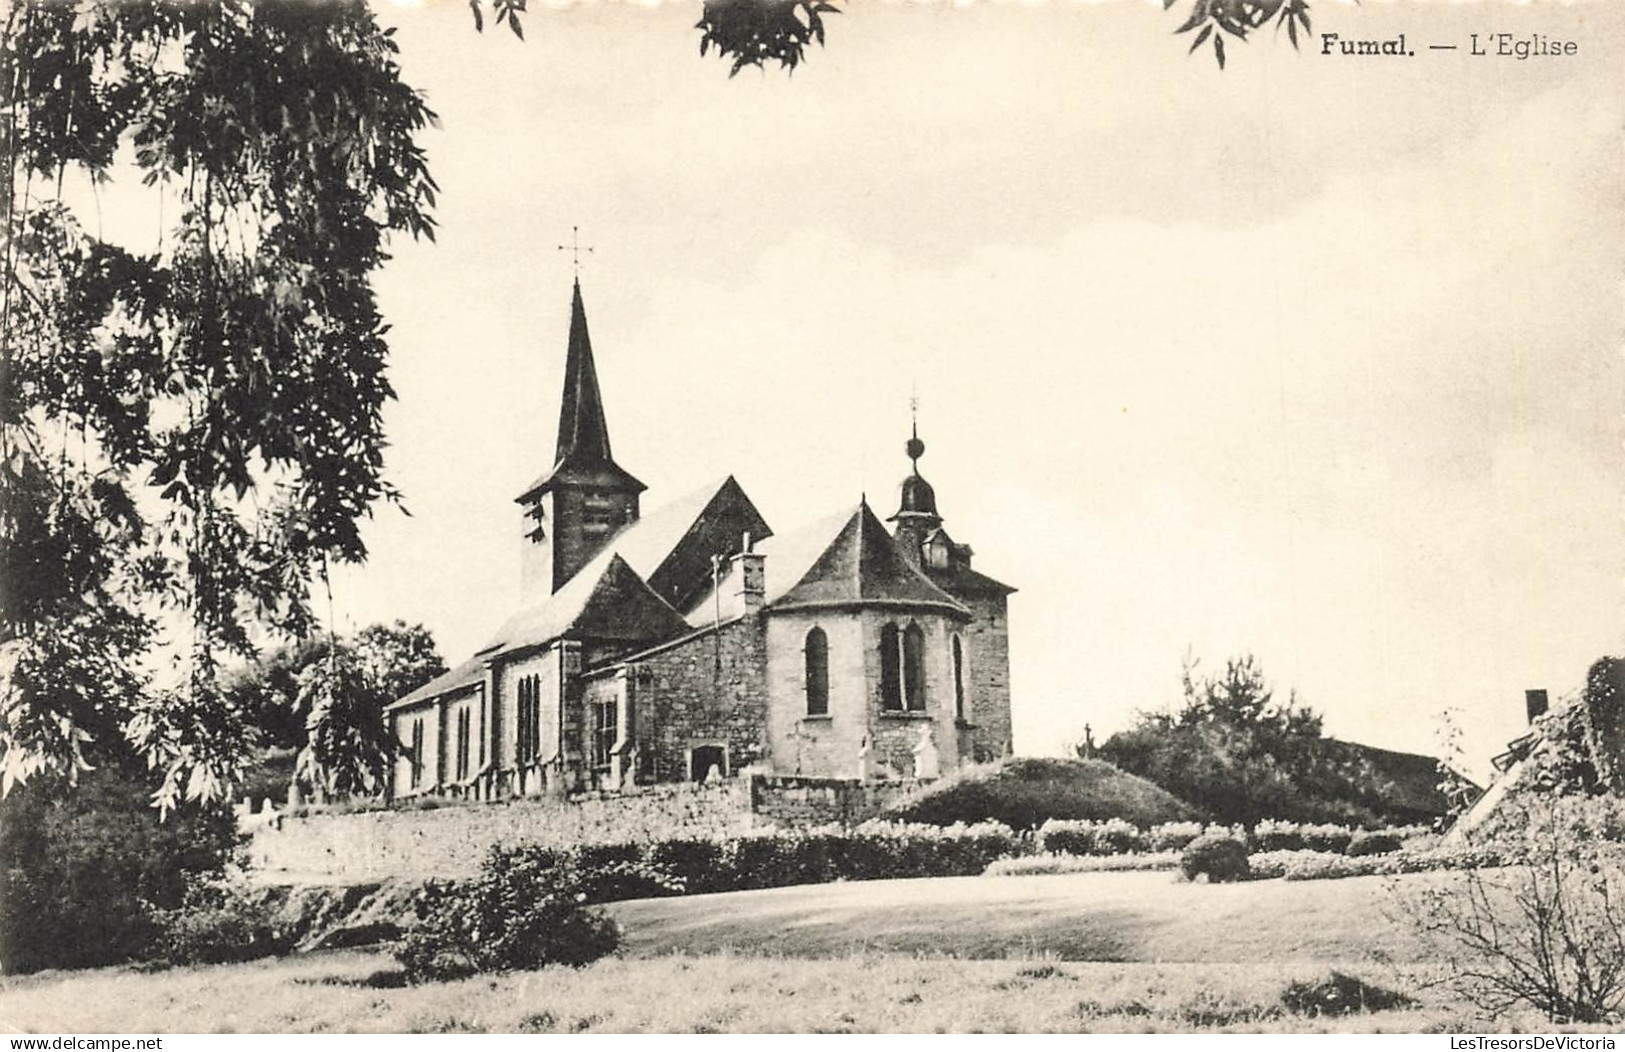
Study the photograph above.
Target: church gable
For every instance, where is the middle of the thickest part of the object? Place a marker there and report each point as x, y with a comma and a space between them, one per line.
623, 608
606, 602
684, 574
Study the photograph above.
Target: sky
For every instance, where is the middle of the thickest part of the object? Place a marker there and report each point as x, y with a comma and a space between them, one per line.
1314, 357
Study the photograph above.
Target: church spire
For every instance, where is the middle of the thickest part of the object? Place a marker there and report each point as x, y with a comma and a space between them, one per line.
579, 503
582, 454
583, 434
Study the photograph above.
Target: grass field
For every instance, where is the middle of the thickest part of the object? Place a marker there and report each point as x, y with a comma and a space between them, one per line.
1080, 952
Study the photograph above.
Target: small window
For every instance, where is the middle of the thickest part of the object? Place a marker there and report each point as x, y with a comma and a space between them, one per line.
417, 753
959, 681
891, 682
459, 740
605, 732
816, 652
529, 743
914, 668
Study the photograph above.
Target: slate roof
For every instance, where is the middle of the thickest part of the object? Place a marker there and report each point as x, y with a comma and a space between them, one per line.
583, 453
859, 565
608, 599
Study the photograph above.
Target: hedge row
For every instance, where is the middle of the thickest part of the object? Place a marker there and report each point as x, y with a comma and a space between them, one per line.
872, 851
1324, 865
1116, 837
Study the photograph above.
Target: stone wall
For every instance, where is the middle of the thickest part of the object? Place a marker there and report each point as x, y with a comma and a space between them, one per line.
986, 641
709, 689
450, 841
792, 802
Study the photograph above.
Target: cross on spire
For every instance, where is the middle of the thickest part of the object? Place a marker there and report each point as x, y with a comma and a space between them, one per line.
575, 248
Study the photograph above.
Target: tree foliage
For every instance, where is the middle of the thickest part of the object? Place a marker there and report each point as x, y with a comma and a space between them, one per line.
324, 696
348, 745
196, 420
1235, 751
86, 876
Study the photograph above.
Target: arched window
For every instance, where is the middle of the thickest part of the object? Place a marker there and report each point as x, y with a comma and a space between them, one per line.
914, 667
816, 652
959, 681
891, 680
528, 745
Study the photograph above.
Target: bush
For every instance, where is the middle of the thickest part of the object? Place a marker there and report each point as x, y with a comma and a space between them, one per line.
1545, 932
1047, 865
1113, 837
85, 872
1340, 994
1025, 793
526, 908
220, 923
1172, 836
1332, 838
1220, 857
1278, 836
1374, 844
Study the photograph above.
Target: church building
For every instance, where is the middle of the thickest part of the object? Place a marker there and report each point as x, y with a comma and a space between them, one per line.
694, 642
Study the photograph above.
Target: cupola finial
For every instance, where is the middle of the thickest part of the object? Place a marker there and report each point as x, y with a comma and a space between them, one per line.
914, 448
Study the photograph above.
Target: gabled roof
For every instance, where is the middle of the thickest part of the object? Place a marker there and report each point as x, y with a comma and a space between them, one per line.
463, 677
607, 601
582, 455
612, 597
859, 566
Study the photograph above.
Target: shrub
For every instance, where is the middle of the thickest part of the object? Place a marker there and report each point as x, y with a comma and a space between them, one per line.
1113, 837
1278, 836
1172, 836
526, 908
1543, 933
1220, 857
1046, 865
1332, 838
1381, 843
85, 872
1340, 994
1025, 793
219, 923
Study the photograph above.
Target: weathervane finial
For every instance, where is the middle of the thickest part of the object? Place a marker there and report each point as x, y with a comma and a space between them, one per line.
915, 448
575, 248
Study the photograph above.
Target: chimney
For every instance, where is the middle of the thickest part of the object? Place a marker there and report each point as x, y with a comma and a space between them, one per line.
1535, 702
751, 576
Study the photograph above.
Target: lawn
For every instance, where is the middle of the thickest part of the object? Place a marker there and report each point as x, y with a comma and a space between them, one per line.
1078, 952
1116, 917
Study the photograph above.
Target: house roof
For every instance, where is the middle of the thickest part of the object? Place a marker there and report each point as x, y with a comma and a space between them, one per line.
1412, 790
582, 454
859, 565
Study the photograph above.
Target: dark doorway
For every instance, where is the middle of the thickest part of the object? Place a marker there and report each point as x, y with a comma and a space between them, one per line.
702, 758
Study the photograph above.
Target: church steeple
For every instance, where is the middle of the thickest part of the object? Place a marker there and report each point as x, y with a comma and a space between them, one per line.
585, 497
583, 435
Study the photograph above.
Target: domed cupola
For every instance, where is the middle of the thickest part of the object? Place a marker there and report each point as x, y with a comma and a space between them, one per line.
918, 498
917, 514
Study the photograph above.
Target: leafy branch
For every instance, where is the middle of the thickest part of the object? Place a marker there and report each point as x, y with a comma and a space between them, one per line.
1215, 19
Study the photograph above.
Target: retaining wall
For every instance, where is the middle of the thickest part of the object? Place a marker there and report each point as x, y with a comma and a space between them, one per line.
450, 841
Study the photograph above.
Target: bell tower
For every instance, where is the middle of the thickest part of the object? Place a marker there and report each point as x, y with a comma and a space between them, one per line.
573, 509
